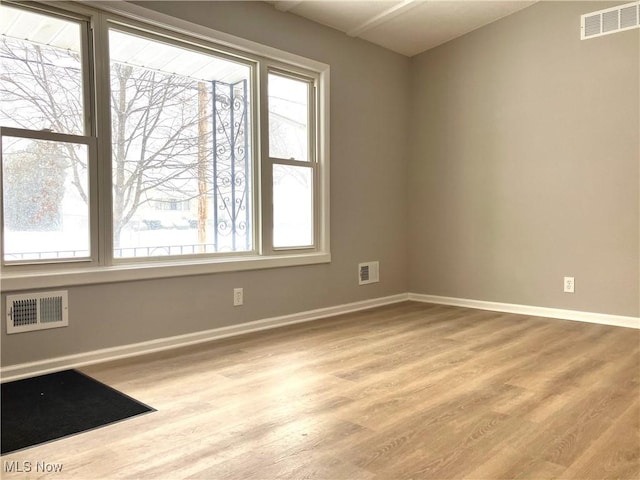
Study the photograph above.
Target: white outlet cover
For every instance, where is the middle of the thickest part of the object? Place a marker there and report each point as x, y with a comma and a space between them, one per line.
569, 285
238, 297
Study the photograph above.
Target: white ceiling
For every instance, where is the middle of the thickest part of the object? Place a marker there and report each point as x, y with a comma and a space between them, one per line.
408, 27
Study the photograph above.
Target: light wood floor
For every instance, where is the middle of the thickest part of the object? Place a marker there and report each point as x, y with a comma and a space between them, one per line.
405, 391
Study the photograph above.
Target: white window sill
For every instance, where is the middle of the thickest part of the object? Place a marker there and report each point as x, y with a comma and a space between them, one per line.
123, 273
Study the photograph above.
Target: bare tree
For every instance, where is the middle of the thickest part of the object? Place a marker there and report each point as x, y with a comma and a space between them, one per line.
155, 139
154, 115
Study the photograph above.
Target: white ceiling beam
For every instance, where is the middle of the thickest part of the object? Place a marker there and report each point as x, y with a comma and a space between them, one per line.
286, 6
383, 17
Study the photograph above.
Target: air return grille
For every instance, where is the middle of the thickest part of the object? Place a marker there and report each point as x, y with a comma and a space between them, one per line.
610, 20
368, 273
37, 311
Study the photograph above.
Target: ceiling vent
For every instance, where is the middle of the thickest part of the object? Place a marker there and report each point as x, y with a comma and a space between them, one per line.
610, 20
37, 311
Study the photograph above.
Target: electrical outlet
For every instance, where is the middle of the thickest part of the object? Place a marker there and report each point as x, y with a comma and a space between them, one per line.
238, 297
569, 285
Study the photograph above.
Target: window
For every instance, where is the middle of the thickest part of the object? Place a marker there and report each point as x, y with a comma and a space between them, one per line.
46, 139
181, 137
292, 155
123, 143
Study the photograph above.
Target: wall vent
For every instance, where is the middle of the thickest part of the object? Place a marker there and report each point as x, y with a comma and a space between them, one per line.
368, 272
37, 311
610, 20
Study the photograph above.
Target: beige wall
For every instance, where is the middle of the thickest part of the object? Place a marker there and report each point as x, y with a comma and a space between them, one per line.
369, 101
518, 147
524, 164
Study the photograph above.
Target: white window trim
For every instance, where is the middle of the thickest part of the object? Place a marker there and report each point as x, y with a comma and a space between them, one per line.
269, 161
82, 273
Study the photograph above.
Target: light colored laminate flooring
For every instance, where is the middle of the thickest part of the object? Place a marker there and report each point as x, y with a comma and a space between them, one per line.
408, 390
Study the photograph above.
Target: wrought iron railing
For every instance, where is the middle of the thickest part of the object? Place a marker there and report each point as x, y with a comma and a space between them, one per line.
51, 255
164, 250
124, 252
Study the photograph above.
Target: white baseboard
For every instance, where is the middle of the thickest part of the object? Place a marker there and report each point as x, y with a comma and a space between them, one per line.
614, 320
23, 370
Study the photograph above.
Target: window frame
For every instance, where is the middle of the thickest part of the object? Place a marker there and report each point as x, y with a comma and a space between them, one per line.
102, 266
161, 34
88, 138
312, 161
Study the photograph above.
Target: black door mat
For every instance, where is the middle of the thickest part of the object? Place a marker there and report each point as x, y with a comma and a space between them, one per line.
40, 409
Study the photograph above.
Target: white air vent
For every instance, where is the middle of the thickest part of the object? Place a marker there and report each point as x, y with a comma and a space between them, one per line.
37, 311
610, 20
368, 272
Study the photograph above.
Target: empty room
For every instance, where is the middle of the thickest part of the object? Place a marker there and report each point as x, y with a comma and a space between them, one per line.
320, 239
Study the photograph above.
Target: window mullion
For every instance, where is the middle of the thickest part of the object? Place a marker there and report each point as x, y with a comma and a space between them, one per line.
88, 87
313, 159
266, 165
88, 80
104, 236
